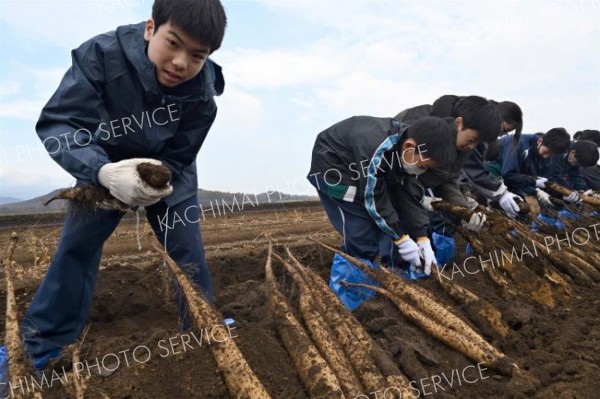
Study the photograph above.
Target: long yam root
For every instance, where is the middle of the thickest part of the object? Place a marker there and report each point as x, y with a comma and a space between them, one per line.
18, 364
565, 191
496, 224
428, 305
314, 372
241, 380
323, 336
353, 335
450, 337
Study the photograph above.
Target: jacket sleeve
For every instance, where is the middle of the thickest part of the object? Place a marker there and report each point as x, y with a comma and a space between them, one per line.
378, 201
478, 174
558, 171
577, 179
408, 197
510, 167
181, 150
69, 123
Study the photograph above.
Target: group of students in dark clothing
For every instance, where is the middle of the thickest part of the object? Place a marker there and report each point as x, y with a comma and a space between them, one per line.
378, 177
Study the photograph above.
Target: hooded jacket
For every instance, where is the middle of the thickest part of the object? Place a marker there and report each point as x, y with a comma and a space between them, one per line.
521, 164
109, 107
358, 160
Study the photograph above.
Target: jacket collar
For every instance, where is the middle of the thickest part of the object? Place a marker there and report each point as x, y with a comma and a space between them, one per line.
208, 83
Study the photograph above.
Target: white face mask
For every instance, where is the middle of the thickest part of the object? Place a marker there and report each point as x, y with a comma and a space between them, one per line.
414, 169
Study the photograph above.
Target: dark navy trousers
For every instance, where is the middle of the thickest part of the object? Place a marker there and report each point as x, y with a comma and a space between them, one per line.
362, 237
61, 306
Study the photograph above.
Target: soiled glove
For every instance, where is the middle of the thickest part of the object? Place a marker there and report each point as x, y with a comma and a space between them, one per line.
573, 197
543, 198
426, 252
592, 193
409, 250
125, 184
509, 205
476, 222
426, 202
540, 182
472, 203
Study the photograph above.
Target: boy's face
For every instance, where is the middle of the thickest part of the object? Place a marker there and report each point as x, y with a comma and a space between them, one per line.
466, 139
412, 154
544, 151
178, 57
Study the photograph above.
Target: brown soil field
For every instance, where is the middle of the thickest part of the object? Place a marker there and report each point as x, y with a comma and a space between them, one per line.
556, 346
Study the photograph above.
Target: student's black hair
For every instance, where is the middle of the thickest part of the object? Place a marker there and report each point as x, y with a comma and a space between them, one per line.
557, 140
588, 134
204, 20
512, 113
477, 113
437, 137
586, 152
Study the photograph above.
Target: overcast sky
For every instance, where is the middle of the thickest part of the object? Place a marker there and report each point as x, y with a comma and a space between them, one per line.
295, 67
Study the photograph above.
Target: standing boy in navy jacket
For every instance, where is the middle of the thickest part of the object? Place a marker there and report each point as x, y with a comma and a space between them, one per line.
141, 93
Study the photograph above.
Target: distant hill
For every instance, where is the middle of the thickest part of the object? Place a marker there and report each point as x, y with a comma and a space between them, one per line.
217, 199
34, 205
8, 200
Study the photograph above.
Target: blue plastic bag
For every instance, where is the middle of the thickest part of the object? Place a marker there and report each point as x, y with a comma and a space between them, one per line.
551, 221
569, 215
468, 249
535, 227
445, 248
343, 270
4, 373
411, 273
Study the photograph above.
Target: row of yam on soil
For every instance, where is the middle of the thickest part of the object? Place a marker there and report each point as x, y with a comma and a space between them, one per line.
334, 355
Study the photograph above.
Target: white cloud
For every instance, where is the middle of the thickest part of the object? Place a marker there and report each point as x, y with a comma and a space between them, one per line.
29, 95
8, 88
67, 23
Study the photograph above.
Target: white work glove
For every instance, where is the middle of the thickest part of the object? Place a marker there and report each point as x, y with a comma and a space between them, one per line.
426, 202
543, 198
540, 182
592, 193
573, 197
426, 252
509, 205
476, 222
472, 203
409, 250
125, 184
